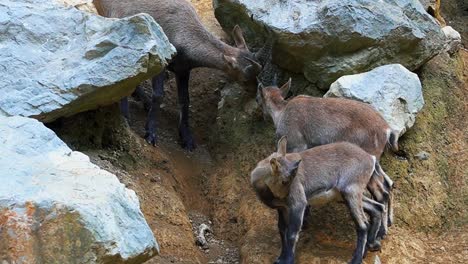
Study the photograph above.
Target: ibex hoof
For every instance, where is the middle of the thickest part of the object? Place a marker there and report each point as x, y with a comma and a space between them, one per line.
186, 137
381, 235
375, 246
390, 221
189, 144
279, 261
151, 138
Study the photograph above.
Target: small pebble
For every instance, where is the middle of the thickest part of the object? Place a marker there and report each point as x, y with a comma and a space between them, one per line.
154, 179
423, 155
377, 260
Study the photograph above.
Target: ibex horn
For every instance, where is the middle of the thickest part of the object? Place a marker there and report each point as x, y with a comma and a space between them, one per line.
260, 84
275, 80
263, 53
258, 66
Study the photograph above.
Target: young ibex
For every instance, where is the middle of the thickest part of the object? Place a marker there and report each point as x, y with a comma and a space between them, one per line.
311, 121
337, 171
196, 47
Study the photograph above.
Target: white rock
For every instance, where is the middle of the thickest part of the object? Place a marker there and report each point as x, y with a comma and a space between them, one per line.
453, 39
392, 90
58, 207
377, 260
422, 155
57, 61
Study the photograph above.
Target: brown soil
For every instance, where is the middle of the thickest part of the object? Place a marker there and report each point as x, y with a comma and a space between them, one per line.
178, 191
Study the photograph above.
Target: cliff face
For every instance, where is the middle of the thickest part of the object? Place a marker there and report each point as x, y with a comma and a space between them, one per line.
433, 190
179, 191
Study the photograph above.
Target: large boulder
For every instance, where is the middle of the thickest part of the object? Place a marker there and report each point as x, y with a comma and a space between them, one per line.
57, 61
58, 207
394, 91
327, 39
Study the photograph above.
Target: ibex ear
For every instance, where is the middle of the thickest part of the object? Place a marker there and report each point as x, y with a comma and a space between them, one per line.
274, 166
231, 60
282, 143
285, 88
239, 38
295, 166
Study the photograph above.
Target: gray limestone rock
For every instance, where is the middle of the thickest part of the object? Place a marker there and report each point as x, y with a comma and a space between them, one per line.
58, 207
394, 91
57, 61
327, 39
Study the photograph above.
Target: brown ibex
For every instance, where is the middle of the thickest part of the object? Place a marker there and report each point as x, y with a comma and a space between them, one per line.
196, 47
332, 172
310, 121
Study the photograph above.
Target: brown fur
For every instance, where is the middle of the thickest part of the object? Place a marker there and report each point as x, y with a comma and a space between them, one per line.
316, 176
335, 165
311, 121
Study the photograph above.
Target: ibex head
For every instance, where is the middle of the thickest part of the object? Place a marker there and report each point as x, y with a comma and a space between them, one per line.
242, 64
268, 96
283, 168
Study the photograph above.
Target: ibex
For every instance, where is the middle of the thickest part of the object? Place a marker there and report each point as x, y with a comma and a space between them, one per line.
196, 47
332, 172
311, 121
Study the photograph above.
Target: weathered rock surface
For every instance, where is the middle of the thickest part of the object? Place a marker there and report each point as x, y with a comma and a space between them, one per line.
453, 39
58, 207
392, 90
455, 13
328, 39
57, 61
84, 5
433, 8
